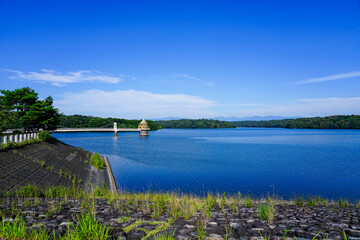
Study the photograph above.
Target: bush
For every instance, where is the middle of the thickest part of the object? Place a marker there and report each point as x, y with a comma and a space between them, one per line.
45, 136
97, 161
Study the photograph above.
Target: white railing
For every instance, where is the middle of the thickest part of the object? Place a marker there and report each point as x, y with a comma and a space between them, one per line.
18, 138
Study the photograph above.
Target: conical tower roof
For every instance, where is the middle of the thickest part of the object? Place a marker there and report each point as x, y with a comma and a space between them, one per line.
143, 122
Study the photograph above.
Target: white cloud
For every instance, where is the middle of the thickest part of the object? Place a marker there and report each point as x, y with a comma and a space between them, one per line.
331, 78
189, 77
133, 104
179, 79
61, 79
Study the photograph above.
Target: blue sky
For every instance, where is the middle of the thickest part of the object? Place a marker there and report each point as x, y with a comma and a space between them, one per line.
191, 59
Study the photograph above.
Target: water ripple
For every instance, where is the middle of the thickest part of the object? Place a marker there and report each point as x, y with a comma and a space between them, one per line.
252, 161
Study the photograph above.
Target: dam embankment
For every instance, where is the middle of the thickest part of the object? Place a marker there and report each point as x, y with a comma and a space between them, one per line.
51, 163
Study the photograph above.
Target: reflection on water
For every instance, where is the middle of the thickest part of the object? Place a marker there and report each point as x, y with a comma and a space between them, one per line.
252, 161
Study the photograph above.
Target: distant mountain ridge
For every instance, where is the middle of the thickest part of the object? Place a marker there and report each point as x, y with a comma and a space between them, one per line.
195, 123
253, 118
231, 119
166, 119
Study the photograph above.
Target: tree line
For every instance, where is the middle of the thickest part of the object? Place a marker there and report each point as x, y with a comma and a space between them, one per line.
195, 123
81, 121
330, 122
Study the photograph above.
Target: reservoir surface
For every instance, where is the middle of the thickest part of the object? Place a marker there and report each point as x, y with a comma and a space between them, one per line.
254, 161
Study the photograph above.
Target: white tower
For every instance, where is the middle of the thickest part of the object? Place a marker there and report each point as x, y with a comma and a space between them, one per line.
115, 129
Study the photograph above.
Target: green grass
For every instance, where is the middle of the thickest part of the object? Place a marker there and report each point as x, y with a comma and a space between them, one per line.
163, 226
28, 191
311, 201
266, 212
164, 236
45, 136
172, 205
343, 202
137, 223
265, 237
17, 230
53, 192
248, 202
299, 201
210, 201
149, 233
88, 228
97, 161
13, 229
32, 191
323, 201
200, 232
159, 205
42, 163
50, 168
123, 219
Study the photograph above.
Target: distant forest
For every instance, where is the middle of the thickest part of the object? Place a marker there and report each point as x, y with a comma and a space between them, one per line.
331, 122
195, 123
80, 121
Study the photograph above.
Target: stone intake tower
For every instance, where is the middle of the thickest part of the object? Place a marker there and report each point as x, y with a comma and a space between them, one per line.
144, 128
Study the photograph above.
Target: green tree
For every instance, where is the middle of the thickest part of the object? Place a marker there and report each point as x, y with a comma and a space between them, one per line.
43, 115
6, 118
80, 121
195, 123
31, 112
331, 122
21, 100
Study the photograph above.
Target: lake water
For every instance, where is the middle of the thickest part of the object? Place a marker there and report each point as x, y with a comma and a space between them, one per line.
253, 161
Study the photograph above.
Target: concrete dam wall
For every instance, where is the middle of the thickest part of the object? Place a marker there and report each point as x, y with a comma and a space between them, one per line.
51, 164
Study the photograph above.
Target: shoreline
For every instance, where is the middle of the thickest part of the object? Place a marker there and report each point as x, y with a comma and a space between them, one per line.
113, 186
